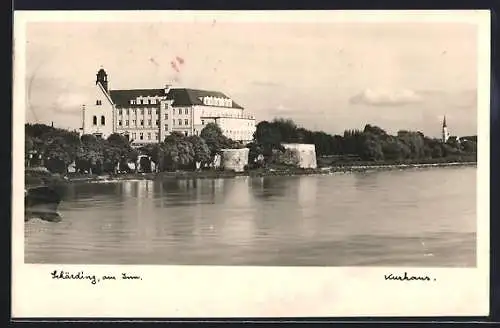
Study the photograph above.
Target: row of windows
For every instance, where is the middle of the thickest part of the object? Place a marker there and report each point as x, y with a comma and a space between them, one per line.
134, 111
141, 122
179, 122
237, 132
180, 111
143, 101
141, 136
103, 120
134, 122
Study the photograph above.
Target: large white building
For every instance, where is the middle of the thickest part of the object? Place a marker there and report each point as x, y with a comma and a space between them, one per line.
149, 115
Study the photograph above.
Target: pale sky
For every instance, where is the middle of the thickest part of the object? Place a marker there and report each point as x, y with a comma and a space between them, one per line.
325, 76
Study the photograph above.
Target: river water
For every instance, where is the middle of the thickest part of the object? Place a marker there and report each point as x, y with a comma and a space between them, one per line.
421, 217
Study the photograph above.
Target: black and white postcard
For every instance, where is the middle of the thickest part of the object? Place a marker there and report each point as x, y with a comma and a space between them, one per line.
251, 164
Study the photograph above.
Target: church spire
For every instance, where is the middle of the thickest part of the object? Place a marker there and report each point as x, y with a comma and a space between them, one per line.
444, 122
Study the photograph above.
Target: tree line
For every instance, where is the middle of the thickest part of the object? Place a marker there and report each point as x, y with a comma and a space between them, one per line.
370, 144
57, 148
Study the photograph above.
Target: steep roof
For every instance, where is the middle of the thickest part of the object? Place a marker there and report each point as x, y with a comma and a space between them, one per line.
121, 98
190, 97
181, 96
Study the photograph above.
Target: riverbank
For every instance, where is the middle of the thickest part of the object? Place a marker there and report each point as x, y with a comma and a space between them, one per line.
261, 172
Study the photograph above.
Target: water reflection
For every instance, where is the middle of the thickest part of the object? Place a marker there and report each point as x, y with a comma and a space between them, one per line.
352, 219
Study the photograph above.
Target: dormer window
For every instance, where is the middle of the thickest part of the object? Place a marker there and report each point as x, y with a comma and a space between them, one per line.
132, 102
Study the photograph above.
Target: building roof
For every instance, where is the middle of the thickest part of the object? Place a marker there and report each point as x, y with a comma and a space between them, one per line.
181, 96
190, 97
121, 98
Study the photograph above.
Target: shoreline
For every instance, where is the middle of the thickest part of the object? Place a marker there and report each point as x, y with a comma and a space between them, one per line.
257, 172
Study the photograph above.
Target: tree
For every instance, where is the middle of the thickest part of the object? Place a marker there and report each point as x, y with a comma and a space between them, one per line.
268, 137
90, 155
58, 155
469, 146
214, 138
372, 149
178, 152
200, 149
287, 130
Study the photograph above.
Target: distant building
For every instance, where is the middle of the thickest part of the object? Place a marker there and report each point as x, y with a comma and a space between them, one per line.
149, 115
445, 134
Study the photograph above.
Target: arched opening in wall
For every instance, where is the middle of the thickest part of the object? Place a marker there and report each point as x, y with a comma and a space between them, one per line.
94, 120
103, 120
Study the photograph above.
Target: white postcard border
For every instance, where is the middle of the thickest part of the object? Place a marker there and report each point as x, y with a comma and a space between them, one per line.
212, 291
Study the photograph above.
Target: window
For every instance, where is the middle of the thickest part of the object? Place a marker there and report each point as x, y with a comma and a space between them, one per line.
149, 101
196, 132
149, 135
126, 123
142, 122
98, 102
202, 122
186, 111
141, 136
180, 111
128, 112
94, 120
149, 122
166, 116
120, 122
103, 120
120, 112
157, 122
142, 111
173, 122
149, 111
185, 133
132, 102
180, 122
166, 127
134, 135
156, 136
153, 101
134, 122
134, 112
186, 122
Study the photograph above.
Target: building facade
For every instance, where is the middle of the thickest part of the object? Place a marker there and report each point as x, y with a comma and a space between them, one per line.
149, 115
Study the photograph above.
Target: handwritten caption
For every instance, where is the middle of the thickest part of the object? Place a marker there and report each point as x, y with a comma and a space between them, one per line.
406, 277
93, 278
